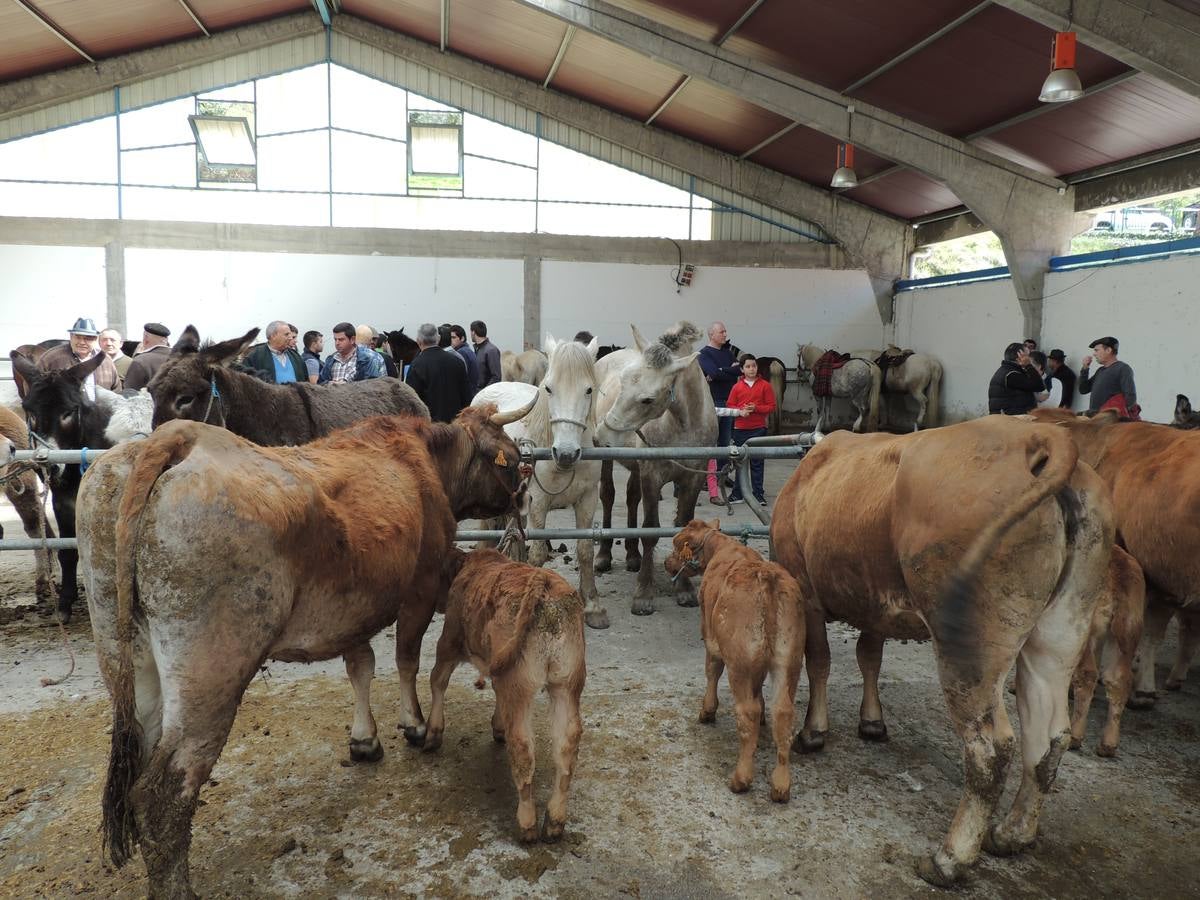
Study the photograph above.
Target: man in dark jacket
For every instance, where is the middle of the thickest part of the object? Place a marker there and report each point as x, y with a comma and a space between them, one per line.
1056, 362
1014, 388
439, 378
487, 353
150, 358
458, 340
277, 360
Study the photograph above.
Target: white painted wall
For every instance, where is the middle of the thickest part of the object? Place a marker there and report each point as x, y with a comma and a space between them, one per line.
43, 290
1149, 306
225, 293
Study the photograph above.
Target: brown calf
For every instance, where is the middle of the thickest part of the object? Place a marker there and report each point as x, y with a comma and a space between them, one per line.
752, 621
523, 627
1118, 618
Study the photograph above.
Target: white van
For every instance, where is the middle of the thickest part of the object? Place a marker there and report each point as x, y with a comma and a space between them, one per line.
1134, 219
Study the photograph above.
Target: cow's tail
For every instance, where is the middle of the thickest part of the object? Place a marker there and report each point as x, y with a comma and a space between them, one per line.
538, 587
1050, 455
127, 751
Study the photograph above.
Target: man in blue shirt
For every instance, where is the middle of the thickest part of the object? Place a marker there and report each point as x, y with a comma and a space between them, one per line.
277, 360
350, 361
721, 371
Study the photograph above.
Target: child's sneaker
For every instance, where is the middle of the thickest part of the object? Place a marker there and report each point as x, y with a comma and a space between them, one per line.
762, 501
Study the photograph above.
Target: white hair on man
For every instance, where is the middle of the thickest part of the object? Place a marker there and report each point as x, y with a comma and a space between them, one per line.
365, 335
427, 335
275, 327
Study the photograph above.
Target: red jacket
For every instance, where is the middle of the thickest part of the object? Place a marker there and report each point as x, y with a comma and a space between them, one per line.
760, 394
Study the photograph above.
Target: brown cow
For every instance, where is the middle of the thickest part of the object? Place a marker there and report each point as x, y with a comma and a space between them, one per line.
23, 490
990, 538
751, 621
220, 555
523, 627
1154, 474
1118, 618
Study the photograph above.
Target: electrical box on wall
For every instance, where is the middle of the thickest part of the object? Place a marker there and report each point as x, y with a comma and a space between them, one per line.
685, 275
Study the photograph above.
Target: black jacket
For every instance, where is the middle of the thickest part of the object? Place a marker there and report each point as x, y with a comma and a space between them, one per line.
1012, 389
441, 381
1067, 377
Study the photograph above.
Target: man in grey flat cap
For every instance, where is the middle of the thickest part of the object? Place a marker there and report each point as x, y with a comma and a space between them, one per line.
153, 354
84, 343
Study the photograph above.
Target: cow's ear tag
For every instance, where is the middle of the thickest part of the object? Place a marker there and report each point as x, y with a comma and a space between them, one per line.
686, 553
501, 459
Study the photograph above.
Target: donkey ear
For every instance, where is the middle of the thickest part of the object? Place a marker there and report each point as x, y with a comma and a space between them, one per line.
80, 371
25, 366
638, 341
227, 351
189, 341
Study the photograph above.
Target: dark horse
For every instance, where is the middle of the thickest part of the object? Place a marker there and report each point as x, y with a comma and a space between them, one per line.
58, 410
404, 349
199, 383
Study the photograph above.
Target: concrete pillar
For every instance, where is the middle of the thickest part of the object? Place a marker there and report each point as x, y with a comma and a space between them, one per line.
114, 277
882, 251
1033, 225
533, 303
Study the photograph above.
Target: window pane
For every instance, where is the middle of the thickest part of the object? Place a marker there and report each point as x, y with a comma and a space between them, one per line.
293, 101
169, 167
224, 140
153, 126
702, 218
294, 162
433, 212
567, 175
484, 178
67, 201
434, 150
484, 138
364, 164
364, 104
612, 221
85, 152
253, 207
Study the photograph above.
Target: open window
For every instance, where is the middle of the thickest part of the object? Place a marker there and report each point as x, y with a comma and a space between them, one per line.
435, 152
226, 153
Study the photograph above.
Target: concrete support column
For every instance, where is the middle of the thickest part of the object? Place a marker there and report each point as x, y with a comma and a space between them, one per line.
533, 303
114, 277
1033, 224
883, 250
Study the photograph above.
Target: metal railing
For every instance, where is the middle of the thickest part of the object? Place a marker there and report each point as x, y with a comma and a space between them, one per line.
768, 447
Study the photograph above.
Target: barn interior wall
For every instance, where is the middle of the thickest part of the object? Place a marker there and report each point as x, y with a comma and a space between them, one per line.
1143, 304
44, 289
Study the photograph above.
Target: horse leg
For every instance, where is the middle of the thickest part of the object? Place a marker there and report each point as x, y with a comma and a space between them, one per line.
608, 496
364, 738
633, 496
63, 501
922, 406
651, 493
28, 505
539, 508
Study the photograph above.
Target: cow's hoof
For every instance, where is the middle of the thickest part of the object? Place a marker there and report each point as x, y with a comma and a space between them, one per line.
707, 716
528, 835
688, 599
499, 736
931, 871
552, 831
366, 750
597, 618
633, 564
998, 843
642, 607
602, 563
812, 742
1076, 743
1108, 751
1173, 684
739, 785
781, 795
1143, 700
415, 734
873, 731
433, 741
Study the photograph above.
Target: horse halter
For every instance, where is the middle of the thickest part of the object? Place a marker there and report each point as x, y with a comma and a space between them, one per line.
690, 557
213, 394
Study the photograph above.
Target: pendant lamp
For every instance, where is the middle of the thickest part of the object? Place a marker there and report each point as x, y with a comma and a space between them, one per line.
1062, 84
844, 176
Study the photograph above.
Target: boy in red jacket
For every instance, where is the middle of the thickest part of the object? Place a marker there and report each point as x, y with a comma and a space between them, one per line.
755, 398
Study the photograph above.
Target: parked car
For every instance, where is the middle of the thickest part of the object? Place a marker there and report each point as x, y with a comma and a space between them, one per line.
1134, 219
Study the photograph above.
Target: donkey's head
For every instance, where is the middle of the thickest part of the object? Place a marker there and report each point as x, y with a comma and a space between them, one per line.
185, 386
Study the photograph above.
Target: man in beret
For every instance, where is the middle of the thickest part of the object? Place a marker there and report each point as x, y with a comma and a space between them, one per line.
83, 344
1058, 370
153, 354
1113, 378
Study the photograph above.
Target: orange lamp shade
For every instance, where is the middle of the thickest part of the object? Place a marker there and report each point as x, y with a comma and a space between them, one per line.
1063, 56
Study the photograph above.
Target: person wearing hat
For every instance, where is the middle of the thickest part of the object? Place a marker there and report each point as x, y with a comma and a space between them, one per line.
1058, 370
83, 344
150, 357
1114, 377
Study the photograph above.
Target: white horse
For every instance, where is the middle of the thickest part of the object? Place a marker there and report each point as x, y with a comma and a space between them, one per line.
858, 381
564, 419
529, 366
919, 376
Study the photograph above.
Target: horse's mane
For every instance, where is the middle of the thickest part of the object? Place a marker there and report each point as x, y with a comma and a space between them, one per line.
665, 350
571, 364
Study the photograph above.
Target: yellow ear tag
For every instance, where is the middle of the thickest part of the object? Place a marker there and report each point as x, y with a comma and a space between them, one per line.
686, 553
501, 459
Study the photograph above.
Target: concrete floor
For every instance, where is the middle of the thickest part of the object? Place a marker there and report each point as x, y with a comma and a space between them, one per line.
286, 814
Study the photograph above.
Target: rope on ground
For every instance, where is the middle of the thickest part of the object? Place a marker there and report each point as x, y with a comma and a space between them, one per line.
46, 681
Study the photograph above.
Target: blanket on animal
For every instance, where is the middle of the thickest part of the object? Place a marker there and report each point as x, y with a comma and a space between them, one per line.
891, 360
1117, 402
823, 371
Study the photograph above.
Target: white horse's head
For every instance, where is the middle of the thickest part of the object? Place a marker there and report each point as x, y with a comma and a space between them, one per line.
644, 381
567, 411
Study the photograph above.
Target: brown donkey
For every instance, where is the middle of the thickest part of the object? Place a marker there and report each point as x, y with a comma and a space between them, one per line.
523, 627
752, 621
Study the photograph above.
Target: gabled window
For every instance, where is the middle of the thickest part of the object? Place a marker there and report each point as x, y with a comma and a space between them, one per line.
435, 152
226, 155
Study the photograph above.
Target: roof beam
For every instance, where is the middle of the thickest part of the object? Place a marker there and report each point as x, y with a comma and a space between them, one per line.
322, 9
58, 32
683, 82
195, 18
886, 134
568, 36
1155, 36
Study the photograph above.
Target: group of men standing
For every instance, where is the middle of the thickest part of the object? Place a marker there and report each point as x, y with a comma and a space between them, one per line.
1028, 378
117, 371
448, 371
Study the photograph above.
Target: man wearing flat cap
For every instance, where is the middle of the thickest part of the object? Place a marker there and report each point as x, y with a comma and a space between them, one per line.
84, 343
1058, 370
150, 357
1113, 378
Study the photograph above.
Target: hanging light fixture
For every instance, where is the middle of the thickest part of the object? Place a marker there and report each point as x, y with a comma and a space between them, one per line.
844, 175
1062, 84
